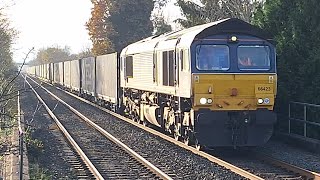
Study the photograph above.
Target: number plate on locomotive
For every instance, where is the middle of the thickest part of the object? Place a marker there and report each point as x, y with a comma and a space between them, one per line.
263, 89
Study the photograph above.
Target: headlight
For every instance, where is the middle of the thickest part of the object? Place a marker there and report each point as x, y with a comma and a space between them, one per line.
266, 100
203, 100
209, 101
260, 101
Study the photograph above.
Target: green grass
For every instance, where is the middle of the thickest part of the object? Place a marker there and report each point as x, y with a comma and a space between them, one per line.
38, 173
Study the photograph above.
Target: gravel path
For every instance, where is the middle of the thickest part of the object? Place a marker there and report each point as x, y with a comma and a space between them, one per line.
291, 154
245, 160
185, 164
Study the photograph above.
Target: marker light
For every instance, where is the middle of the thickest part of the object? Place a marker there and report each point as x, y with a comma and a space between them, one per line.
234, 38
203, 100
266, 100
260, 101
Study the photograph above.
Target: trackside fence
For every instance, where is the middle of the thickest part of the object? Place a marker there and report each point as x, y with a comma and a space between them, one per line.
304, 120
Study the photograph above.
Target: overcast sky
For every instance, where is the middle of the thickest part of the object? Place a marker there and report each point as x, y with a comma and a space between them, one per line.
46, 23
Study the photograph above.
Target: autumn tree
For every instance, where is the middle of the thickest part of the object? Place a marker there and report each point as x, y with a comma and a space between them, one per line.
213, 10
116, 23
100, 28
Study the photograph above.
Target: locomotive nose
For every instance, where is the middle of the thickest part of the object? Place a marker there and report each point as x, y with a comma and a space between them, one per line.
234, 92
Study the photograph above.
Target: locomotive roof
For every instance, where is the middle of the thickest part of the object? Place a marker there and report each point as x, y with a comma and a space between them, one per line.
187, 36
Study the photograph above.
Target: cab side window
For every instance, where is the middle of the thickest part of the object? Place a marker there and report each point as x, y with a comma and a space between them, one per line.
168, 68
129, 66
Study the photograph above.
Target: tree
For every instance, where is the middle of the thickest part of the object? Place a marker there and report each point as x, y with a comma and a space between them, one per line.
159, 23
161, 26
7, 71
6, 65
116, 23
52, 54
99, 28
6, 39
85, 52
213, 10
131, 21
295, 26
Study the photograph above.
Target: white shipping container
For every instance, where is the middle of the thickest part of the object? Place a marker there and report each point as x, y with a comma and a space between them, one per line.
66, 68
75, 75
61, 73
107, 78
88, 75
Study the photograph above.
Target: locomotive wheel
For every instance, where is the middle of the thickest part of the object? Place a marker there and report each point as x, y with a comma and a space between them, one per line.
176, 136
185, 136
137, 119
186, 140
197, 145
176, 132
145, 123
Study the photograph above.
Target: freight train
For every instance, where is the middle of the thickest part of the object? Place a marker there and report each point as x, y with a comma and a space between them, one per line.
214, 84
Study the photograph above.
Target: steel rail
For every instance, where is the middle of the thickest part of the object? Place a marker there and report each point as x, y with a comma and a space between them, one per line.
211, 158
83, 156
139, 158
287, 166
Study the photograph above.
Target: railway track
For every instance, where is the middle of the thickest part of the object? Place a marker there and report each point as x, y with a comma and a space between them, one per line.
104, 156
264, 165
276, 168
296, 171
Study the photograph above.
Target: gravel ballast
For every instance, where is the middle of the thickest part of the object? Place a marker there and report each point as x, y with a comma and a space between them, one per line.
292, 155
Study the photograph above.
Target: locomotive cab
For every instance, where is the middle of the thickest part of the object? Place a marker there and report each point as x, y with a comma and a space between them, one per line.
234, 85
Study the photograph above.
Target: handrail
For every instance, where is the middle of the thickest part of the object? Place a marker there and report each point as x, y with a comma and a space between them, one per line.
307, 104
304, 120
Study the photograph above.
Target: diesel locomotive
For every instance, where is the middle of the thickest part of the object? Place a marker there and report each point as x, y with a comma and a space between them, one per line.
214, 84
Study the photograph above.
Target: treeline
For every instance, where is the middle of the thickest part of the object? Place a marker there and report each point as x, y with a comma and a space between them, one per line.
7, 67
57, 54
8, 72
